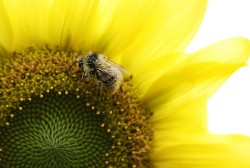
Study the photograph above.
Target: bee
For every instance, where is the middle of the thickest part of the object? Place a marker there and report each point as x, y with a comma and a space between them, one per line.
106, 72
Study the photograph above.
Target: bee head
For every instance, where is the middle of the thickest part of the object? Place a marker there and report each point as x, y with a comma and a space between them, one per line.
91, 58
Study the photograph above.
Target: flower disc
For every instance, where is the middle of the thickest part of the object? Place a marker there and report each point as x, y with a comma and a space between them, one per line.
49, 121
55, 131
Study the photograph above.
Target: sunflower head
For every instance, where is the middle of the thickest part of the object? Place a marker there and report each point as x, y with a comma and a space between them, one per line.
52, 116
47, 120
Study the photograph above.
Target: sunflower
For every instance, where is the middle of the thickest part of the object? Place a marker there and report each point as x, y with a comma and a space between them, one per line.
53, 118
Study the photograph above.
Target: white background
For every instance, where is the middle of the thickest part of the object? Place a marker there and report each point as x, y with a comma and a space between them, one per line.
229, 108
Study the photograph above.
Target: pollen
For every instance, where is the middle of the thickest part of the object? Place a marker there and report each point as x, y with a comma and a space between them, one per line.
12, 115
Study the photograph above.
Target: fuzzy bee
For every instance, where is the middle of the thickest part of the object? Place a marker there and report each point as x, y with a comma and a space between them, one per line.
107, 73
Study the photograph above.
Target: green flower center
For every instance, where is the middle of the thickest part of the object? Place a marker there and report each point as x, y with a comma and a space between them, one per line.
56, 131
48, 121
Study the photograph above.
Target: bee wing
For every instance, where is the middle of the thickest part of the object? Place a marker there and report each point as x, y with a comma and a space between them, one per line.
108, 63
122, 69
106, 70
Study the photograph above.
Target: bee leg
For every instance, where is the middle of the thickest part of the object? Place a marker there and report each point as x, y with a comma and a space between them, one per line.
99, 84
83, 74
81, 69
70, 70
99, 88
121, 89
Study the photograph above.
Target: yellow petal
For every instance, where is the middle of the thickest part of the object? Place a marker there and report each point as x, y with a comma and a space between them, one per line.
77, 24
179, 97
201, 74
145, 75
234, 50
136, 30
181, 138
6, 36
144, 30
188, 117
133, 29
201, 151
29, 22
185, 97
